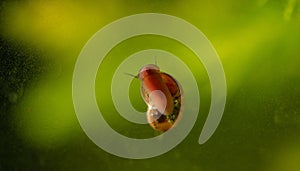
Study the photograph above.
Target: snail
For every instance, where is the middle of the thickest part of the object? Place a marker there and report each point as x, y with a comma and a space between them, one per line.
163, 95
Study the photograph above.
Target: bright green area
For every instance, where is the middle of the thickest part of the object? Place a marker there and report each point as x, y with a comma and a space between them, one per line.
258, 43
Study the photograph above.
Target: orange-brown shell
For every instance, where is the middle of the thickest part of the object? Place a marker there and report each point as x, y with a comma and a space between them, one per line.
152, 80
157, 120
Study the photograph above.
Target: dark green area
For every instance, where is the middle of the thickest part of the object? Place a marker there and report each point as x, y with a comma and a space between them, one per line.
20, 67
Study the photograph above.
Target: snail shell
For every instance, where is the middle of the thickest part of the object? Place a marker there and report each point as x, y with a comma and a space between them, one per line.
163, 95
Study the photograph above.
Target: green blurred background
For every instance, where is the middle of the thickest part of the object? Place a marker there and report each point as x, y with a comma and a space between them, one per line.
258, 43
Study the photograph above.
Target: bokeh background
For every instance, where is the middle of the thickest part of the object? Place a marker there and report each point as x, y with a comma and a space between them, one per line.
258, 43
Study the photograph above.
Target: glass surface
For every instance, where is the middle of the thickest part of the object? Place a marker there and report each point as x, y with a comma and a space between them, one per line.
258, 44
